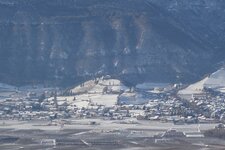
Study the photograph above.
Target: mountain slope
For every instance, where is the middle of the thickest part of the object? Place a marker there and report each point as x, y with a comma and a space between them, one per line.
215, 81
134, 40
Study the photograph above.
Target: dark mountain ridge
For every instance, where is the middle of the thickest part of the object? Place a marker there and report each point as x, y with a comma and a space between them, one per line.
65, 41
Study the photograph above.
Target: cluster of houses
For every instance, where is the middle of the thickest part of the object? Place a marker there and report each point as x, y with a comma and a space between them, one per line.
210, 105
152, 105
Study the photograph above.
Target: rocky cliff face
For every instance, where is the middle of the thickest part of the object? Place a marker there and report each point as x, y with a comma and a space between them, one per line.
135, 40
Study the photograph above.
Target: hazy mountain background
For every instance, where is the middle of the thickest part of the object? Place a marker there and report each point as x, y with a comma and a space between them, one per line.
66, 41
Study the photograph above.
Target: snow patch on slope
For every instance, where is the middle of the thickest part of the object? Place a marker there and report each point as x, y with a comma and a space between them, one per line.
215, 81
195, 88
97, 86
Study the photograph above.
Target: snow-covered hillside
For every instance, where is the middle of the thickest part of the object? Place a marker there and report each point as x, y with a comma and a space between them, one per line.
98, 92
215, 81
99, 85
109, 92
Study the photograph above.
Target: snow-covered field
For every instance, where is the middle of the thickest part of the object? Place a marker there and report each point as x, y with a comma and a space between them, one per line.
106, 100
149, 86
94, 92
103, 125
101, 92
85, 100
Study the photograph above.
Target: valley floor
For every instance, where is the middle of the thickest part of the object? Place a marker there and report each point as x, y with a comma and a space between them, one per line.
104, 134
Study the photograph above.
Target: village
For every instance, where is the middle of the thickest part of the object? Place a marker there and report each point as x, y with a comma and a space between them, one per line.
105, 113
110, 99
